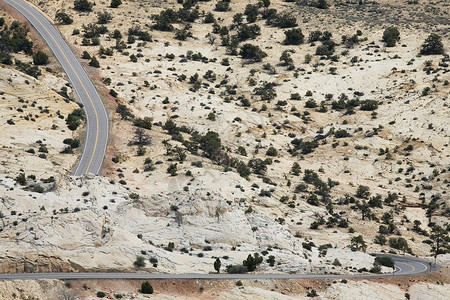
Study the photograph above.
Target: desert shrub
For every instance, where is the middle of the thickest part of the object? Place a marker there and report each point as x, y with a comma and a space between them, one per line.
432, 45
75, 118
164, 20
236, 269
322, 4
82, 5
146, 288
286, 58
400, 244
386, 261
282, 20
73, 143
391, 36
21, 179
86, 55
139, 262
246, 32
40, 58
104, 17
336, 262
266, 91
94, 62
258, 166
115, 3
363, 192
100, 294
209, 18
293, 37
92, 30
223, 5
252, 262
252, 52
243, 170
14, 39
326, 49
369, 105
28, 69
305, 147
182, 34
5, 58
358, 243
251, 13
63, 18
341, 133
124, 112
145, 123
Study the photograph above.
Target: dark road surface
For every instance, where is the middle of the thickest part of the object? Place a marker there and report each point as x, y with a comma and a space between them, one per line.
97, 118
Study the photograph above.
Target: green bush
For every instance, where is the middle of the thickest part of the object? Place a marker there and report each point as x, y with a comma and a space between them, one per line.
145, 123
293, 37
74, 119
236, 269
252, 52
146, 288
40, 58
391, 36
322, 4
380, 239
28, 69
103, 17
5, 58
432, 45
272, 151
21, 179
252, 262
63, 18
282, 20
369, 105
14, 39
94, 62
223, 5
139, 262
386, 261
246, 32
101, 294
115, 3
82, 5
209, 18
400, 244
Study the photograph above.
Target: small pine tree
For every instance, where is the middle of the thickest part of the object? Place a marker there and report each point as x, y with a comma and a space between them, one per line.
432, 45
82, 5
94, 62
146, 288
139, 262
217, 265
322, 4
391, 36
116, 3
40, 58
63, 18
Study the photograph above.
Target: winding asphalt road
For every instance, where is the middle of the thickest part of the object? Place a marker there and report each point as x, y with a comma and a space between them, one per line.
405, 266
97, 118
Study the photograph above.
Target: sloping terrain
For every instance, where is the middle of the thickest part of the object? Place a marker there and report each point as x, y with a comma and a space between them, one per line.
304, 150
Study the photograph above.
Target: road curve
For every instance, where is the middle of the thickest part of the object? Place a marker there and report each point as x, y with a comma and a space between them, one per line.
97, 117
405, 266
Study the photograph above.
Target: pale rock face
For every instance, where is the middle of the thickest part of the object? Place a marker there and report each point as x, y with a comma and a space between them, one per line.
106, 229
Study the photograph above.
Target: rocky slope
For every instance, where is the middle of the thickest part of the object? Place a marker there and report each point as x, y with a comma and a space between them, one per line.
396, 146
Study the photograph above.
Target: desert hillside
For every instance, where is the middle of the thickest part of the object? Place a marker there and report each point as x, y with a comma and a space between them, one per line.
310, 134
